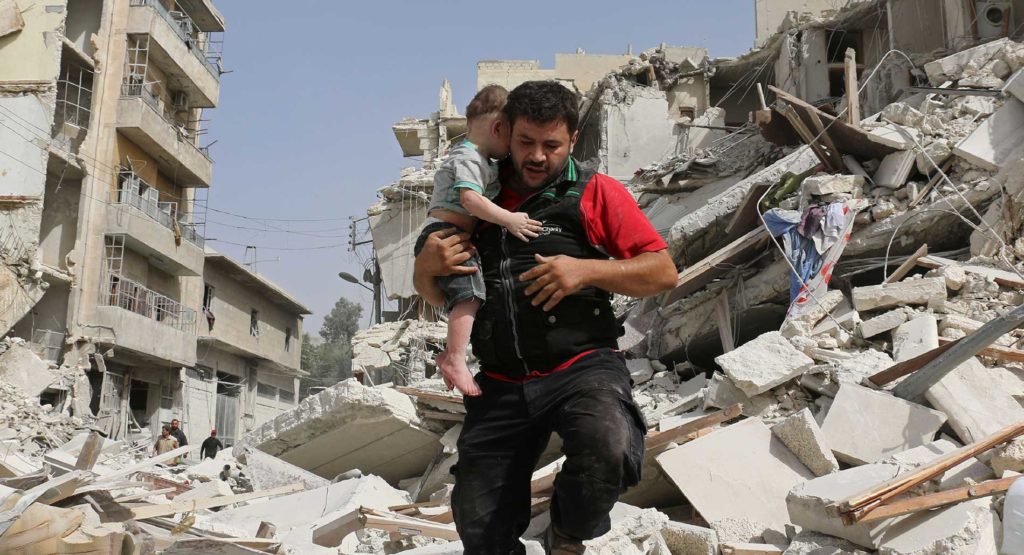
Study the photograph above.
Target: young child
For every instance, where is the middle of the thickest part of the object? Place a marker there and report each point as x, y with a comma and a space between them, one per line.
464, 185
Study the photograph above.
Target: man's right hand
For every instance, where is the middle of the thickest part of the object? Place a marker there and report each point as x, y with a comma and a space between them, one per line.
443, 253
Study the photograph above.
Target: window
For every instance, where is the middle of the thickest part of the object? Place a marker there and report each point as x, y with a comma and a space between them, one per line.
266, 391
287, 396
167, 396
287, 340
207, 297
254, 323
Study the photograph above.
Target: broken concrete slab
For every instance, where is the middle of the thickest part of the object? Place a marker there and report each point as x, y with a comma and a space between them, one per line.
915, 337
951, 68
349, 426
883, 323
763, 363
801, 434
1015, 85
969, 527
970, 471
690, 539
831, 184
933, 156
20, 367
297, 514
977, 404
907, 292
813, 543
741, 461
992, 143
1008, 457
863, 425
267, 472
11, 20
895, 169
895, 136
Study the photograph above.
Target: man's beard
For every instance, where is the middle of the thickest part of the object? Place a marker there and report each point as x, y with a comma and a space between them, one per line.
548, 179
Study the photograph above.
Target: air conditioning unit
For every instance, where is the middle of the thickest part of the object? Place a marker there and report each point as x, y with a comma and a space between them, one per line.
180, 101
994, 16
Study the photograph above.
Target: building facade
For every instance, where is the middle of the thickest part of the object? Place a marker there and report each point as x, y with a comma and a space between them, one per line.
102, 111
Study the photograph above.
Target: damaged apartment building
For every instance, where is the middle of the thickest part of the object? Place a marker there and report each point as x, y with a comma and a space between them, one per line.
106, 274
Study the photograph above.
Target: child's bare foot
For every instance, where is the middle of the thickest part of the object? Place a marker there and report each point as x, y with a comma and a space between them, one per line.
456, 373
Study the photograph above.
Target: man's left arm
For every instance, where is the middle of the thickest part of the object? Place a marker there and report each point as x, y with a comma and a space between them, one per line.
640, 264
556, 277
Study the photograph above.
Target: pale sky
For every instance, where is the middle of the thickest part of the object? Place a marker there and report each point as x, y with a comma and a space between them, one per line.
303, 131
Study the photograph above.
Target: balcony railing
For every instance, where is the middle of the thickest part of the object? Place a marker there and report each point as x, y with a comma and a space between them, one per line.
149, 96
129, 295
135, 192
184, 27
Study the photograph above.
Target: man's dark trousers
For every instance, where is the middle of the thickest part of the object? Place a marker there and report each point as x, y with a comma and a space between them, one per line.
506, 430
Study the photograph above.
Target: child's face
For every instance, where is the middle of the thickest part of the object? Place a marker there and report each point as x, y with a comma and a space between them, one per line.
500, 136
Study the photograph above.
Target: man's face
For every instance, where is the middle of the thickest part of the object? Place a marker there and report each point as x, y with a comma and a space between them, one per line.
164, 433
539, 150
174, 424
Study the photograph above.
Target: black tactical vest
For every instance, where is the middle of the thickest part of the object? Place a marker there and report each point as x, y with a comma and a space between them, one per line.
512, 337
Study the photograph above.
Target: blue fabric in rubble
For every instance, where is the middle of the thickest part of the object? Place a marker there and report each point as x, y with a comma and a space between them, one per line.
799, 249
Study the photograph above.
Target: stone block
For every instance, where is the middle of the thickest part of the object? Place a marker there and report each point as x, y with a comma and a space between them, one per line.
831, 184
763, 363
266, 472
915, 337
951, 68
737, 478
864, 425
938, 152
907, 292
689, 539
991, 144
20, 367
801, 434
350, 426
977, 403
970, 471
813, 543
1015, 85
883, 323
968, 527
895, 169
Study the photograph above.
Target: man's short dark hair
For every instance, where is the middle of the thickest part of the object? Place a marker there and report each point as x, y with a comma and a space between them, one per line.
543, 102
488, 100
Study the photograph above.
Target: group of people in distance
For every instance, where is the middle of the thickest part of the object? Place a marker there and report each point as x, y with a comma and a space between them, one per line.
172, 437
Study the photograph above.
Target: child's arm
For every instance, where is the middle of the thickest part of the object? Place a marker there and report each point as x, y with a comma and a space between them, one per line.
517, 223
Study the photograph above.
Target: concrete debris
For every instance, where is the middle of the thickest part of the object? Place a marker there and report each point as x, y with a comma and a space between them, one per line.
764, 363
862, 425
991, 145
801, 434
976, 400
908, 292
915, 337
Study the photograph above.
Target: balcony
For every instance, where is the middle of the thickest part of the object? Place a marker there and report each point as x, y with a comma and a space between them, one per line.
141, 119
152, 227
146, 322
184, 54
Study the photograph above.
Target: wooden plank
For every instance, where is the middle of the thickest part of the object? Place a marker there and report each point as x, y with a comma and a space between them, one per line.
695, 277
849, 139
760, 97
805, 134
907, 265
935, 179
90, 452
854, 508
746, 217
939, 499
192, 505
145, 494
152, 461
428, 394
441, 415
332, 533
435, 503
908, 367
917, 383
822, 133
661, 438
750, 549
998, 352
852, 88
724, 318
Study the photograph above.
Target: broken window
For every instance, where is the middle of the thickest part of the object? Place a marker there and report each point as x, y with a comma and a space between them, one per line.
287, 396
208, 304
839, 40
254, 323
287, 340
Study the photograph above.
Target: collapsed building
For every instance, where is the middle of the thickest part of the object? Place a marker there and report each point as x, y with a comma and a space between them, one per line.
838, 370
116, 310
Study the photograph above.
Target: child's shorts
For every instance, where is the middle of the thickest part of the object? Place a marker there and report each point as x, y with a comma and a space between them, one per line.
456, 288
